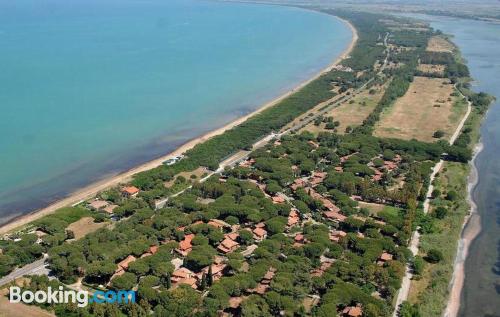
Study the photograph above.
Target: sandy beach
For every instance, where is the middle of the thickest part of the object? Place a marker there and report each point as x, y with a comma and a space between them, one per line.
94, 188
470, 229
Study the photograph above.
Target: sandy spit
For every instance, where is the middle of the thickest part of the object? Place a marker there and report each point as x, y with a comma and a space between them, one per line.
94, 188
470, 229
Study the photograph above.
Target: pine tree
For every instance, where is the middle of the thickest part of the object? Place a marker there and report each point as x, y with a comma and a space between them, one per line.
210, 279
168, 282
203, 283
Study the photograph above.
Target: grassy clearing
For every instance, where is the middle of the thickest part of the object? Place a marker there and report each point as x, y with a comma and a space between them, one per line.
351, 113
8, 309
427, 106
193, 175
439, 44
377, 208
68, 214
85, 226
432, 69
431, 290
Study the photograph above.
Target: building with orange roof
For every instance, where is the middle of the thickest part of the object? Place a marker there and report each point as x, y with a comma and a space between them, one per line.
299, 238
220, 224
110, 208
332, 215
259, 234
233, 236
189, 281
386, 256
125, 262
227, 246
185, 245
217, 271
298, 183
352, 311
278, 199
293, 218
180, 274
130, 191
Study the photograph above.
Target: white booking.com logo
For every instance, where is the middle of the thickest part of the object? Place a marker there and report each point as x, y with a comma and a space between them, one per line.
62, 296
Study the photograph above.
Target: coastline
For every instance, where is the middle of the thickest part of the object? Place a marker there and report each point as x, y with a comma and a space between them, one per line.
107, 182
471, 227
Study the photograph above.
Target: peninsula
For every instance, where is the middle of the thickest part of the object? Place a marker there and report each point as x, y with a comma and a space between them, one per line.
336, 199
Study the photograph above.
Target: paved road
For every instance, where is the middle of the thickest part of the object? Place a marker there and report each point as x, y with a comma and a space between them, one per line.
38, 267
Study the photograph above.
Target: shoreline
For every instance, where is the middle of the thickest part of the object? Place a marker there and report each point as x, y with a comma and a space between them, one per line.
471, 227
107, 182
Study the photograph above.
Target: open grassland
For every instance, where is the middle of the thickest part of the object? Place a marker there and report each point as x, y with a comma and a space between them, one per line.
430, 290
8, 309
375, 208
182, 176
85, 226
426, 107
439, 44
432, 69
351, 113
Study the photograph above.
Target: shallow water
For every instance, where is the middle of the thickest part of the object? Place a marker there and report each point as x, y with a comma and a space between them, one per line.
91, 88
479, 43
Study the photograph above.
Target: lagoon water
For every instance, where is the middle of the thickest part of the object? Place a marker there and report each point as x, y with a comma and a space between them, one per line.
479, 43
90, 88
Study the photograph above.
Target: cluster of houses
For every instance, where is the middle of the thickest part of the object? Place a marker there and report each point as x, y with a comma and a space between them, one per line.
264, 283
103, 205
388, 166
123, 265
230, 243
183, 275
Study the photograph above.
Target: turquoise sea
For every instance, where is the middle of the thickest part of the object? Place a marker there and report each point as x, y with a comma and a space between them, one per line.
91, 88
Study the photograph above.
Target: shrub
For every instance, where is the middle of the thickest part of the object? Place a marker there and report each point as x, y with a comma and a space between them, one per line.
434, 256
438, 134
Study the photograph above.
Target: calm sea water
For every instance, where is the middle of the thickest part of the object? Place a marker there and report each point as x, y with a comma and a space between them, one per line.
90, 88
480, 45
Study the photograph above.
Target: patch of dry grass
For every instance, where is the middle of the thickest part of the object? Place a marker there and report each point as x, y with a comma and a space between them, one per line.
8, 309
197, 174
350, 113
85, 226
439, 44
426, 107
431, 69
372, 207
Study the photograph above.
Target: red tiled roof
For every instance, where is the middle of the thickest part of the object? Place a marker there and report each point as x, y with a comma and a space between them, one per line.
125, 262
130, 190
299, 237
334, 215
386, 256
233, 236
109, 209
189, 281
278, 199
352, 311
153, 249
228, 243
182, 273
259, 232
